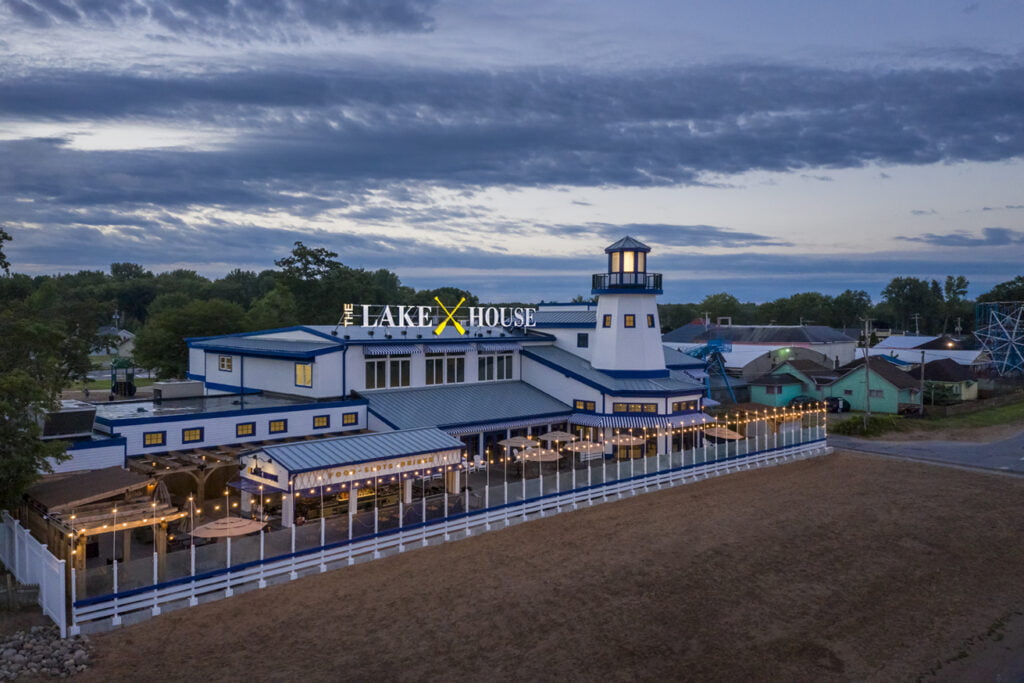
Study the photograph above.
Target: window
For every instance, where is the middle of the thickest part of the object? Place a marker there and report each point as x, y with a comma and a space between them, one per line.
376, 371
303, 374
443, 369
399, 376
435, 371
278, 426
607, 321
580, 404
650, 320
192, 435
629, 320
847, 392
321, 421
245, 429
350, 419
224, 363
876, 393
773, 390
154, 438
582, 340
634, 407
682, 406
493, 367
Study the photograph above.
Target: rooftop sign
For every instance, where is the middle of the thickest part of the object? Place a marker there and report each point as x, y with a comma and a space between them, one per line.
437, 317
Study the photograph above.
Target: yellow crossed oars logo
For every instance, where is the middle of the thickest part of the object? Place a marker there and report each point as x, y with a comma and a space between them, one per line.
450, 318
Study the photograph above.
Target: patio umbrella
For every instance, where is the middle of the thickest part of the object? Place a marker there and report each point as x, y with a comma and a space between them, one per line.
557, 437
587, 447
227, 526
517, 442
540, 455
722, 433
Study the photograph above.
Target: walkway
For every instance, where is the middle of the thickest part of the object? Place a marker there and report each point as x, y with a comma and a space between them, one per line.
1003, 456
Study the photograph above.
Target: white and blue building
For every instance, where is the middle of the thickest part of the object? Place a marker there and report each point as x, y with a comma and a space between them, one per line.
427, 376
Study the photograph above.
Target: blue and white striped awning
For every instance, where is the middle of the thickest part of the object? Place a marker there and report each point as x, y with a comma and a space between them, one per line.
638, 421
502, 426
498, 346
389, 349
449, 347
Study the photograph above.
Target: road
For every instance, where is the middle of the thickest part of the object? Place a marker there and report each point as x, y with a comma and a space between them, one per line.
1006, 455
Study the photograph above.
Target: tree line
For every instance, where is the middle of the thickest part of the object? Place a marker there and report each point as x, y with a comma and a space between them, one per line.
907, 304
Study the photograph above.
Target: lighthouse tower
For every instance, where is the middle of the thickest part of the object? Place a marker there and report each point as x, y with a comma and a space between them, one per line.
627, 340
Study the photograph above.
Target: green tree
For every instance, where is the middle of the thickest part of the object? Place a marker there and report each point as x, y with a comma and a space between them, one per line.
719, 305
5, 265
954, 291
910, 295
161, 343
849, 307
1011, 290
275, 309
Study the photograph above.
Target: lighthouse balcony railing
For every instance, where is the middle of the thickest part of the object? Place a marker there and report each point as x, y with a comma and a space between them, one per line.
641, 281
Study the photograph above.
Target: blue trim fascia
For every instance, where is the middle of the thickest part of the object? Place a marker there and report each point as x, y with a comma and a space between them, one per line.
637, 374
86, 602
254, 353
577, 304
602, 387
538, 417
573, 326
216, 386
195, 376
231, 413
293, 328
105, 443
656, 292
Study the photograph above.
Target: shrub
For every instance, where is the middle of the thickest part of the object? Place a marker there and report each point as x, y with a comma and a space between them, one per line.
876, 425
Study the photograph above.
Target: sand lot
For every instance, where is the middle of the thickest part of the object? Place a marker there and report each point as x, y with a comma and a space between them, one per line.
841, 567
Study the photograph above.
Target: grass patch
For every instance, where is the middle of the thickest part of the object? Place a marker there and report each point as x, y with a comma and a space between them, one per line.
876, 425
883, 424
1013, 412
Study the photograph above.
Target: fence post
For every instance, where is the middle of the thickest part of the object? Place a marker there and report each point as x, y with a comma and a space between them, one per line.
262, 582
227, 591
156, 579
74, 630
323, 542
192, 601
294, 574
116, 619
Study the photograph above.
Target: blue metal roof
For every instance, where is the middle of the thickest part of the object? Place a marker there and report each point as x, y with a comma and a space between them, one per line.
306, 456
566, 318
625, 243
580, 369
463, 404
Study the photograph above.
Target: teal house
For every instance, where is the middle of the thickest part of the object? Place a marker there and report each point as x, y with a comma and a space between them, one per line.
891, 389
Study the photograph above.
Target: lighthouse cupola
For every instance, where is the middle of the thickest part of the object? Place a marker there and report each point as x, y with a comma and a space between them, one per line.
627, 339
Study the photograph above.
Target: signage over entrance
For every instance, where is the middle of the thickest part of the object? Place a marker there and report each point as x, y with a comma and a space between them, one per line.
438, 317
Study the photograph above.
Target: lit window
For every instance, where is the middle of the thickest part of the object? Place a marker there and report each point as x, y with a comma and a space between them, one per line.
278, 426
582, 340
154, 438
629, 320
628, 262
303, 374
580, 404
650, 320
607, 322
321, 421
224, 363
192, 435
350, 418
245, 429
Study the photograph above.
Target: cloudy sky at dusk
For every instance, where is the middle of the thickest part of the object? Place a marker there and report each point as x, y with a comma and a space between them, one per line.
760, 148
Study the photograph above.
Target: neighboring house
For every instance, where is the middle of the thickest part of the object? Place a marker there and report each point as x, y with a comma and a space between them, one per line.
948, 376
114, 341
891, 390
912, 349
792, 379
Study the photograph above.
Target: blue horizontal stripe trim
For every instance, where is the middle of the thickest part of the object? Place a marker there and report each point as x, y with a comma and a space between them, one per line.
637, 374
578, 326
231, 389
538, 417
86, 445
637, 290
254, 353
195, 376
366, 460
155, 419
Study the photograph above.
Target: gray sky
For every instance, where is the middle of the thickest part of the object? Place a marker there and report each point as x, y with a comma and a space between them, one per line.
759, 148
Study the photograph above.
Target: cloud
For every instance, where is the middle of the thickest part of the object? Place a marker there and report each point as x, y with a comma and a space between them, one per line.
673, 235
990, 237
923, 212
233, 19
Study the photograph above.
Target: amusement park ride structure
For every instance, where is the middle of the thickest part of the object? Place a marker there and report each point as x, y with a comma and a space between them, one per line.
1000, 329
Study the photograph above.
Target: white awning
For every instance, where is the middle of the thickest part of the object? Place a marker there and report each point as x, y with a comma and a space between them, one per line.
640, 421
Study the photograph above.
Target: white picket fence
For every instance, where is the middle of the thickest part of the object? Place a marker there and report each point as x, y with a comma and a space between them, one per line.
33, 565
109, 610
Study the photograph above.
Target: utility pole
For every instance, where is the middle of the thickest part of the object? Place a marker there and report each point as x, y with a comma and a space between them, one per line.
959, 328
867, 373
922, 383
917, 324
